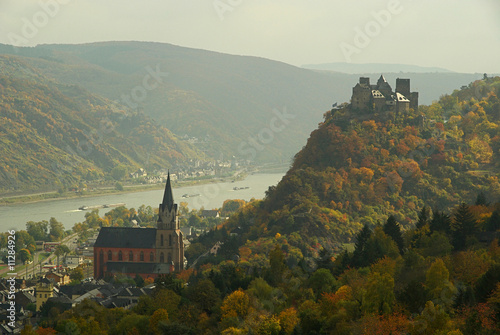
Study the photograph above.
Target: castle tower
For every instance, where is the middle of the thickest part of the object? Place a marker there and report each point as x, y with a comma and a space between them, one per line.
361, 94
169, 244
384, 87
403, 87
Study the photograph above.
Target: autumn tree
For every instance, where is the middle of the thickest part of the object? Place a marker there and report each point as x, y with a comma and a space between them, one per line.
438, 284
379, 297
160, 315
235, 307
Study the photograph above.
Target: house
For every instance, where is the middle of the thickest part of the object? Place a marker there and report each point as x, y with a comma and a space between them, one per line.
207, 213
58, 278
73, 261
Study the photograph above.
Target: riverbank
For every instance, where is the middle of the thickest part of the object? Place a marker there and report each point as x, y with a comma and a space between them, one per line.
109, 190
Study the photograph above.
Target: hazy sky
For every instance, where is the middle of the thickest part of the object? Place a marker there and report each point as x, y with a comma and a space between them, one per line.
461, 35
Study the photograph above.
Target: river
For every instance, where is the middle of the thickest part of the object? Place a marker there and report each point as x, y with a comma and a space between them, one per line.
66, 211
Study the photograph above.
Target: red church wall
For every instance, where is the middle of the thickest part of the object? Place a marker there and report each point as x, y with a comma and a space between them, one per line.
100, 267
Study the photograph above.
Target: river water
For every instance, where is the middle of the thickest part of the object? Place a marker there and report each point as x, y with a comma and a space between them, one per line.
66, 210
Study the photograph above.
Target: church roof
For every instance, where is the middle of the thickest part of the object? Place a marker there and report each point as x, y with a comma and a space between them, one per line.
126, 237
139, 268
168, 198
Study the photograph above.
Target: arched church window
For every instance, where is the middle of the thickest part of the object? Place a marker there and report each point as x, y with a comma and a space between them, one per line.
131, 256
170, 240
162, 258
142, 256
110, 256
161, 240
120, 256
151, 257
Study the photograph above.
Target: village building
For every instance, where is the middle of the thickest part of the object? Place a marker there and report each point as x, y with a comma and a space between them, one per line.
148, 252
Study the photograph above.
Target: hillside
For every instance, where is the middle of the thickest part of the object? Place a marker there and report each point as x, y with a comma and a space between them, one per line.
226, 102
357, 169
60, 136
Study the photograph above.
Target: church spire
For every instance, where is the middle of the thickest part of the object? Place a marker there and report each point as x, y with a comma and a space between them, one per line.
168, 198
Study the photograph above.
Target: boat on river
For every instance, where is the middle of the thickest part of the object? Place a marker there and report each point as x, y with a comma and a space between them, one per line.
86, 208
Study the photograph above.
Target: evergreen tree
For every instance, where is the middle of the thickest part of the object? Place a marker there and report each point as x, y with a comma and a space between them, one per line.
440, 222
423, 217
391, 228
463, 226
493, 223
481, 200
358, 258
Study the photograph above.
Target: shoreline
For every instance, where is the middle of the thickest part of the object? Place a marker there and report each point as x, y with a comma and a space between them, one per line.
18, 200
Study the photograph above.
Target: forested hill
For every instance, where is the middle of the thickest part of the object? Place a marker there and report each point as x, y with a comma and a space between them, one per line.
358, 169
60, 136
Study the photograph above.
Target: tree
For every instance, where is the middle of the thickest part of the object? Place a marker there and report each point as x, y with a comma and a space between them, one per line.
277, 264
359, 258
205, 295
235, 305
423, 217
119, 172
438, 284
38, 230
25, 255
440, 222
391, 228
61, 250
160, 315
493, 223
76, 275
463, 226
322, 281
481, 199
56, 230
379, 245
379, 296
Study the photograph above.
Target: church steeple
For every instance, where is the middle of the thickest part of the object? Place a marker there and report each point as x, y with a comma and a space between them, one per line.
168, 198
167, 218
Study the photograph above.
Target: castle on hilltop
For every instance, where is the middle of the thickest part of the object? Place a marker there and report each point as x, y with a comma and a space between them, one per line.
381, 98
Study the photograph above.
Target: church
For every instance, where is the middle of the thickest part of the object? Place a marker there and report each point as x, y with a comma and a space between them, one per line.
147, 252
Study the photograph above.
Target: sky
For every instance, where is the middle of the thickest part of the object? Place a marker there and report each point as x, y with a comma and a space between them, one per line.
459, 35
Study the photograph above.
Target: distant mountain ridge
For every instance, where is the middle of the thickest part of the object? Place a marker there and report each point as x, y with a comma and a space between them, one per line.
360, 68
225, 103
